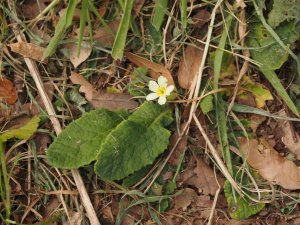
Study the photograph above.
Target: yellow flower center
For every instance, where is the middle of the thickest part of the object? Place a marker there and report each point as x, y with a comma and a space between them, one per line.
161, 91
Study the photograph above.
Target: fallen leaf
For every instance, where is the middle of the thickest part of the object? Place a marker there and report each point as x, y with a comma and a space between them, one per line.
201, 18
29, 50
85, 52
112, 101
8, 92
189, 66
32, 8
155, 69
270, 164
107, 215
180, 148
75, 218
106, 37
31, 108
199, 175
183, 200
289, 135
260, 92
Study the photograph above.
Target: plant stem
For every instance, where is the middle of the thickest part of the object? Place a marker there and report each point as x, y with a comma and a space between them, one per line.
6, 194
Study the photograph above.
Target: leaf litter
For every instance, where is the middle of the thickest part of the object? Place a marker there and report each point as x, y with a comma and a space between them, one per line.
185, 191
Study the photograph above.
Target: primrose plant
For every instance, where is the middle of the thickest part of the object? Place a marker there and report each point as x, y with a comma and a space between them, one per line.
120, 143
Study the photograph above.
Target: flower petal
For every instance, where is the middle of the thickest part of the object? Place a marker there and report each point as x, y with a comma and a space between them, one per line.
169, 89
153, 86
151, 96
162, 81
162, 100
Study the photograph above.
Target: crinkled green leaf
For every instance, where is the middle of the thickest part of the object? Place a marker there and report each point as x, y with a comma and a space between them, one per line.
264, 48
23, 132
79, 142
207, 105
135, 143
284, 10
240, 208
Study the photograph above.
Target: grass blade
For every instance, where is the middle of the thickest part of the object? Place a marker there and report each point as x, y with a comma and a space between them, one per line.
120, 40
275, 82
159, 13
183, 10
64, 22
83, 17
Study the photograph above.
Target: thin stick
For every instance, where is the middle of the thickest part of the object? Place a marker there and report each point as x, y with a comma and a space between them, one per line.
85, 199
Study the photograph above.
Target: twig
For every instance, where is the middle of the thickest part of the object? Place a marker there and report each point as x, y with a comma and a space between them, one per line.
57, 127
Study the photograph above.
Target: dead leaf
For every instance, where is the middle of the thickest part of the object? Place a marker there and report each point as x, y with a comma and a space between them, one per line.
85, 52
201, 18
107, 215
199, 175
31, 108
270, 164
255, 121
189, 66
29, 50
112, 101
106, 37
32, 8
183, 200
289, 136
138, 6
8, 92
181, 146
155, 69
75, 218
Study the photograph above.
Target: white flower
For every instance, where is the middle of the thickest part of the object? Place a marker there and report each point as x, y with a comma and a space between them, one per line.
160, 90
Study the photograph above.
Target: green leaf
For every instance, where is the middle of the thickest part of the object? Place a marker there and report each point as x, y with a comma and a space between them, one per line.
284, 10
207, 105
264, 48
120, 39
64, 22
135, 143
240, 208
79, 142
23, 132
159, 13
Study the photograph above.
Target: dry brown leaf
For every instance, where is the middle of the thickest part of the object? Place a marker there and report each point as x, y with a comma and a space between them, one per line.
31, 108
270, 164
189, 66
183, 200
29, 50
107, 215
32, 8
85, 52
180, 148
106, 37
201, 18
155, 69
199, 175
97, 99
8, 92
75, 219
289, 135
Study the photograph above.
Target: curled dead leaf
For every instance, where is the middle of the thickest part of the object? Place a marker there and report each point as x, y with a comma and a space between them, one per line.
85, 52
29, 50
112, 101
290, 139
155, 69
270, 164
189, 65
8, 92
